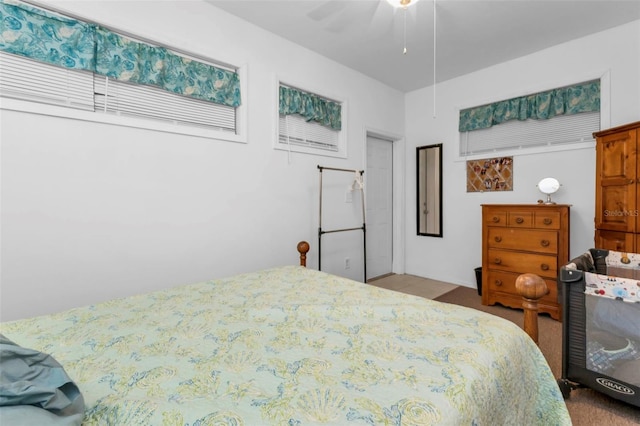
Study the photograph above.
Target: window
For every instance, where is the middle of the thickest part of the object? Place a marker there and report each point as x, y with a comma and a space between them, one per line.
562, 130
298, 133
28, 80
83, 70
555, 119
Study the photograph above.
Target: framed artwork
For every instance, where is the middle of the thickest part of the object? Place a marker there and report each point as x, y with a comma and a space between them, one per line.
490, 174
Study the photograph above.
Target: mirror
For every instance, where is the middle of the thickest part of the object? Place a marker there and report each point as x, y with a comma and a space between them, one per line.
429, 206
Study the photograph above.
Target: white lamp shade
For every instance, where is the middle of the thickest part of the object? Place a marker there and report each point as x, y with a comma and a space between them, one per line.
548, 185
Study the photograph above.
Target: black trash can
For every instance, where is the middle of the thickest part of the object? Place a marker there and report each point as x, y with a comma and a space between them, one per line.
479, 279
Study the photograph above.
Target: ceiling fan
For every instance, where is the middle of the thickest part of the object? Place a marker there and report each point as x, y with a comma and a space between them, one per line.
377, 18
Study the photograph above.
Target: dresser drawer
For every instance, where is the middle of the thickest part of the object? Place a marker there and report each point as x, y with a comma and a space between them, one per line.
519, 239
495, 218
521, 219
547, 220
512, 261
523, 239
505, 282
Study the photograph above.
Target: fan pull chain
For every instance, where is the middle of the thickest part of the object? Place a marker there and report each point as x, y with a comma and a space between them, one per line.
404, 50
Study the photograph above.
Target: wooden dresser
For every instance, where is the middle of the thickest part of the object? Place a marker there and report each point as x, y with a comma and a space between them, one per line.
523, 238
617, 212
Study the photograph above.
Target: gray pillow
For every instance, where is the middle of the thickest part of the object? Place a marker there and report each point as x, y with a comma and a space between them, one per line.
35, 389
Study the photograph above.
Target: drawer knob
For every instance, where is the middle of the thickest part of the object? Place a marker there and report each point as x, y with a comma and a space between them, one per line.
498, 283
497, 261
544, 267
496, 219
498, 239
547, 221
544, 243
519, 220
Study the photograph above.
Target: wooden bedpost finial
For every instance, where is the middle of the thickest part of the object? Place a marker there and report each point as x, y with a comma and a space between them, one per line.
303, 248
531, 287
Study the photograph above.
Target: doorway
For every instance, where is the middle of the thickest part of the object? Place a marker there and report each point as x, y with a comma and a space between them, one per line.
379, 206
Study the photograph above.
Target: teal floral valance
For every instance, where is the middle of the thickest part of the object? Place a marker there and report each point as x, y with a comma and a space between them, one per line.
582, 97
46, 37
312, 107
127, 60
69, 43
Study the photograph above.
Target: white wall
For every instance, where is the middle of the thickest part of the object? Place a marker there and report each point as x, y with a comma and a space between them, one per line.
94, 211
614, 53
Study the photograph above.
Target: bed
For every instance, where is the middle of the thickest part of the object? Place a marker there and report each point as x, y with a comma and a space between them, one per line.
293, 346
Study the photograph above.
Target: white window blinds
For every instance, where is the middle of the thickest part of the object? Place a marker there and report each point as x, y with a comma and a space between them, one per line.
25, 79
295, 130
116, 97
515, 134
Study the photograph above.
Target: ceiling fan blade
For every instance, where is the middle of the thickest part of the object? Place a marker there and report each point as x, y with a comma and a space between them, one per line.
326, 10
382, 20
368, 9
339, 15
340, 21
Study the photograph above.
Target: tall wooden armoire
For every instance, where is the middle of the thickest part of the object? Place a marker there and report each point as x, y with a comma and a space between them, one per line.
617, 221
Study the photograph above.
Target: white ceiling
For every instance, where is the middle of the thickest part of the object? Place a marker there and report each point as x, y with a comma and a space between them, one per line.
369, 35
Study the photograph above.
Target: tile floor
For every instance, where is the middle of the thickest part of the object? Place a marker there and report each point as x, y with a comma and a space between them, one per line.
411, 284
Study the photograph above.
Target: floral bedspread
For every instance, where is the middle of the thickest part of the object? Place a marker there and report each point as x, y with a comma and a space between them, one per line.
294, 346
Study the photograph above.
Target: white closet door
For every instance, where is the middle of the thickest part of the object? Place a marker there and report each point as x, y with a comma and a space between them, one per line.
379, 206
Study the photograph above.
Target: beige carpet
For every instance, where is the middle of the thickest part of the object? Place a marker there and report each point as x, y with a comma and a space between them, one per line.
586, 407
